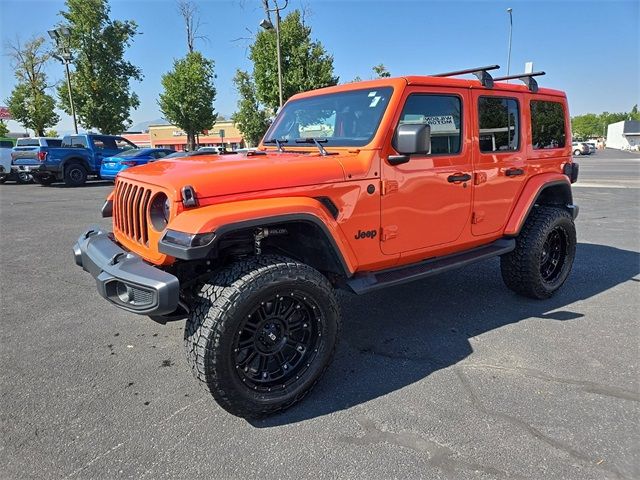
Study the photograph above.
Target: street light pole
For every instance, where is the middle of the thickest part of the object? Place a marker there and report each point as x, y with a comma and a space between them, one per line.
267, 25
510, 10
59, 35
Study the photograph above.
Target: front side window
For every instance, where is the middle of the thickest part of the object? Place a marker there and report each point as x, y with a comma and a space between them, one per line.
443, 114
547, 125
499, 121
336, 119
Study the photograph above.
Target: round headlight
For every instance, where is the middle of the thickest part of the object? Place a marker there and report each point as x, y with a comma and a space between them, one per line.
159, 211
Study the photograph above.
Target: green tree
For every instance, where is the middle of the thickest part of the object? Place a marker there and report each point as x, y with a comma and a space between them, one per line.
251, 118
587, 125
381, 71
4, 130
29, 103
52, 132
634, 114
306, 65
101, 79
189, 94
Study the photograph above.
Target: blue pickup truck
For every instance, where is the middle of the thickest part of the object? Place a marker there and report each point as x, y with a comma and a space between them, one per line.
78, 157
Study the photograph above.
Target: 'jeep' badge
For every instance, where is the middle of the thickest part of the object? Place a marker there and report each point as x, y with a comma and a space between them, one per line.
366, 234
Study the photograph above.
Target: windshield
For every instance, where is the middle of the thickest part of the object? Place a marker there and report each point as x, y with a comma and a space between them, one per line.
341, 119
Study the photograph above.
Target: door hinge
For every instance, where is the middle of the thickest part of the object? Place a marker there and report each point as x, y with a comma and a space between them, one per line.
479, 177
477, 217
389, 232
389, 186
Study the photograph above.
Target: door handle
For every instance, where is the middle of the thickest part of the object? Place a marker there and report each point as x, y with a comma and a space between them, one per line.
514, 172
459, 177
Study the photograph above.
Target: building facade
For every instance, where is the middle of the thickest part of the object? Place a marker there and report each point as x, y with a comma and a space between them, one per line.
170, 136
624, 135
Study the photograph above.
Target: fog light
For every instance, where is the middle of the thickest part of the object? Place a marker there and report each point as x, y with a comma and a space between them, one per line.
124, 292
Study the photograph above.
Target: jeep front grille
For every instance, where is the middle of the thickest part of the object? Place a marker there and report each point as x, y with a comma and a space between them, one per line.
130, 206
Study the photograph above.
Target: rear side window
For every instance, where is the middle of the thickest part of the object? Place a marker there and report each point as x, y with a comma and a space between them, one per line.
54, 143
443, 114
75, 142
6, 144
547, 125
499, 120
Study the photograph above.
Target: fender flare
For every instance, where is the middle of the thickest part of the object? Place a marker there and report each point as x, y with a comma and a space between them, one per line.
530, 195
80, 160
241, 215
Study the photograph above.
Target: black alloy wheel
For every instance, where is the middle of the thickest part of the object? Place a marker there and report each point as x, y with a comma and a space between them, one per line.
554, 253
278, 341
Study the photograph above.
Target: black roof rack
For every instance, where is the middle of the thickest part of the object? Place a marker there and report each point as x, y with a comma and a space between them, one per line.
481, 72
526, 78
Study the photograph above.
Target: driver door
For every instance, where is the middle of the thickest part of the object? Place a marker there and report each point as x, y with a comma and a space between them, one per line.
426, 202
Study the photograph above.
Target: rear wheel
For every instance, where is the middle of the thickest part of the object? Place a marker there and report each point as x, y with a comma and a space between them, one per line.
577, 152
75, 175
261, 333
544, 254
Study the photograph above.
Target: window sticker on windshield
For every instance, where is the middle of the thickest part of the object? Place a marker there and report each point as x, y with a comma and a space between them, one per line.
372, 94
374, 102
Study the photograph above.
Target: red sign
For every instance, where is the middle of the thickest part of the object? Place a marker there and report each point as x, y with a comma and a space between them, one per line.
4, 113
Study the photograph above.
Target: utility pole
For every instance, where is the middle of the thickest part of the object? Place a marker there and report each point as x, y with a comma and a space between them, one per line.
62, 37
267, 25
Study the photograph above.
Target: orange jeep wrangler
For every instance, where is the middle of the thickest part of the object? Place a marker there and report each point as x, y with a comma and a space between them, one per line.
358, 187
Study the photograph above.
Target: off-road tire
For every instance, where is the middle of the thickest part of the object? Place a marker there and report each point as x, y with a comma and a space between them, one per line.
75, 175
220, 312
522, 269
44, 181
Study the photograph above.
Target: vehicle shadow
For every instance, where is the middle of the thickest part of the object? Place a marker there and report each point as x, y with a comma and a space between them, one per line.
395, 337
90, 183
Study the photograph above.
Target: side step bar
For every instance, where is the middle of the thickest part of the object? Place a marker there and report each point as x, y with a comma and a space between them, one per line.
368, 282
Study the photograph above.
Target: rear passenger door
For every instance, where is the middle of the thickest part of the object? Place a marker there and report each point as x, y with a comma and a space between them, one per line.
500, 158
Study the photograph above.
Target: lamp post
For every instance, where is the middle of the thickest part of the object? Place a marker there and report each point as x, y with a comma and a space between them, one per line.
62, 37
267, 25
509, 11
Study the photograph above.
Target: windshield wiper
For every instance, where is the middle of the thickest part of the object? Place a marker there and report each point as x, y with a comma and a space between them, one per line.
278, 143
317, 141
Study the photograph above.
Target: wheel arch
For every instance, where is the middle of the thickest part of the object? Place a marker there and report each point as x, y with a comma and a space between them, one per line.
73, 160
548, 189
312, 234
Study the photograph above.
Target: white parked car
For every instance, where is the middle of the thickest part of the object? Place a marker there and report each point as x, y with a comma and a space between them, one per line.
5, 159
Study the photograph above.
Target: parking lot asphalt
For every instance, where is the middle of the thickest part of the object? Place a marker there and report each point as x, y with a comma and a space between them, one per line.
450, 377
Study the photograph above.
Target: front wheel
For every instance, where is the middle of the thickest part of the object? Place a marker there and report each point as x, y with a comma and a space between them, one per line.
544, 253
261, 332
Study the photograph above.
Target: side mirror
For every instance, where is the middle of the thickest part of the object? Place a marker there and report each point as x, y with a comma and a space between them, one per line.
412, 138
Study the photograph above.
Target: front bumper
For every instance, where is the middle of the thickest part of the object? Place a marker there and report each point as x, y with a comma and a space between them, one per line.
123, 278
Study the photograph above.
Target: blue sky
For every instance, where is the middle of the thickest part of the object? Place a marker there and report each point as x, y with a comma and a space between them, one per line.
589, 49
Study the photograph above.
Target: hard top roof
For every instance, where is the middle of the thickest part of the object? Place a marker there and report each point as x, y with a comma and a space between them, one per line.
426, 80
